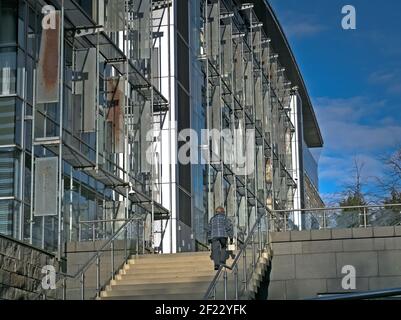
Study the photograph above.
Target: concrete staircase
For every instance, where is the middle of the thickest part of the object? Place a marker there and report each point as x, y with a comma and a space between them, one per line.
182, 276
260, 271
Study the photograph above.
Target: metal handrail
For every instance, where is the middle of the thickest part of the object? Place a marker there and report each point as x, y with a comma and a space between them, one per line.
325, 211
93, 223
101, 250
338, 208
374, 294
95, 258
234, 265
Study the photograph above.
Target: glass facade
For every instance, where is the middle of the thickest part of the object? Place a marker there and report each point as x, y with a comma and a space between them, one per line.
198, 120
237, 88
310, 166
85, 130
96, 136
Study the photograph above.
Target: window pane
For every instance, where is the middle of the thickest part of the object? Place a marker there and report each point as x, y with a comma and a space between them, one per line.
8, 21
8, 73
7, 164
31, 31
21, 24
6, 217
7, 121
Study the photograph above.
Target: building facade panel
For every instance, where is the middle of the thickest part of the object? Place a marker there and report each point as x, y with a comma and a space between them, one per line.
130, 82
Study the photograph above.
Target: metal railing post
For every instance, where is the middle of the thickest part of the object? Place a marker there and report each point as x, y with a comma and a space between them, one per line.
236, 281
98, 275
93, 232
137, 238
83, 286
260, 235
143, 236
64, 297
285, 221
365, 220
125, 245
225, 283
267, 229
253, 252
245, 272
112, 259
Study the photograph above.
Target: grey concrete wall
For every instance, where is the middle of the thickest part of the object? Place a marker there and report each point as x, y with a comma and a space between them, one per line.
20, 269
307, 263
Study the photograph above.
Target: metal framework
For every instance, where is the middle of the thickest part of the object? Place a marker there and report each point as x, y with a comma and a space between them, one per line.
95, 121
247, 93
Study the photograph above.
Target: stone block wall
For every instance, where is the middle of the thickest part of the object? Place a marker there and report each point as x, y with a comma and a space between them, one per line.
20, 269
308, 263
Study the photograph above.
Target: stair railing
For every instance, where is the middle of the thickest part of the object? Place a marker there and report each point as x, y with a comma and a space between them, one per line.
235, 284
125, 233
366, 295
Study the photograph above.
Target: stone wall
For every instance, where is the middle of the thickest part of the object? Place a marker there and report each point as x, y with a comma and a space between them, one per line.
20, 269
308, 263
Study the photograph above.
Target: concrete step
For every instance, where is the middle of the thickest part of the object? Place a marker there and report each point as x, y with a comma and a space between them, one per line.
121, 286
168, 272
169, 260
163, 275
182, 279
174, 255
180, 296
146, 292
168, 268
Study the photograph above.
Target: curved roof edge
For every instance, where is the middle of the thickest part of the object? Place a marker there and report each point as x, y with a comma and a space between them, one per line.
265, 13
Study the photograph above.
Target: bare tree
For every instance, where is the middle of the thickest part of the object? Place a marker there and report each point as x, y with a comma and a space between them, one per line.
390, 183
354, 194
354, 190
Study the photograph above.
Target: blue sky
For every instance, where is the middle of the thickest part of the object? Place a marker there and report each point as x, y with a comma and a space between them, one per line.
353, 78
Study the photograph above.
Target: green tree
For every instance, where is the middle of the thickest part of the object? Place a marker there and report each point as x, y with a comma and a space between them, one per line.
394, 198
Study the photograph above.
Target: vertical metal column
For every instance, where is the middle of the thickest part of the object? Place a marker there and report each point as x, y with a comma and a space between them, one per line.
60, 164
31, 220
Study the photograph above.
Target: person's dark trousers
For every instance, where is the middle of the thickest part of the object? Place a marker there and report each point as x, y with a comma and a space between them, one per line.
219, 254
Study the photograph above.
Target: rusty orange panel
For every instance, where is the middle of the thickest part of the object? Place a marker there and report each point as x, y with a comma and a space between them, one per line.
115, 114
48, 75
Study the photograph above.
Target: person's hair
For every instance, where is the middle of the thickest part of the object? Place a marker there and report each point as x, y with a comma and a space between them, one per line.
220, 209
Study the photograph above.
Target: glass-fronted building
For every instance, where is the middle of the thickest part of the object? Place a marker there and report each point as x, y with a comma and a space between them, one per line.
236, 73
96, 101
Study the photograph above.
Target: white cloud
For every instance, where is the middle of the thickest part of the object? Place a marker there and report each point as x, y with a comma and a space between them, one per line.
354, 128
382, 76
301, 25
303, 29
356, 125
390, 79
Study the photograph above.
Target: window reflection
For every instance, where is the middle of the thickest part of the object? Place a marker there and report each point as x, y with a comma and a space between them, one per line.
7, 71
